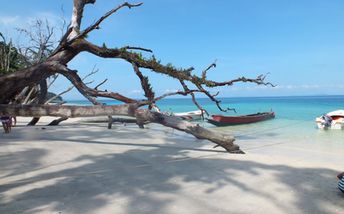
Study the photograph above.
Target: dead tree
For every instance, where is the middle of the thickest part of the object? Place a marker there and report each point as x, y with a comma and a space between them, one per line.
39, 44
74, 42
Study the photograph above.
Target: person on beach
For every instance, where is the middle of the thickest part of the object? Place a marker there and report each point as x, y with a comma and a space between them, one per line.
6, 123
341, 181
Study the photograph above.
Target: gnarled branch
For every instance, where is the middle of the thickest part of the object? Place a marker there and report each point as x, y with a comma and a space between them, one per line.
132, 110
74, 42
96, 25
90, 93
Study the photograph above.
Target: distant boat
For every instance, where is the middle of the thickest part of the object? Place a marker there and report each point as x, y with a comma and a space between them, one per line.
331, 120
190, 115
220, 120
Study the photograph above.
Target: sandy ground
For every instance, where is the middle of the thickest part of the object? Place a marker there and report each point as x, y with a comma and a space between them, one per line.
86, 168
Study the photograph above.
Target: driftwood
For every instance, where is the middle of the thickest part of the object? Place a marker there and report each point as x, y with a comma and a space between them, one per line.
142, 116
57, 121
74, 42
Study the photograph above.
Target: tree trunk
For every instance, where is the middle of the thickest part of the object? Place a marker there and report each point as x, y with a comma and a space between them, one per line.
142, 116
43, 91
67, 111
12, 84
227, 142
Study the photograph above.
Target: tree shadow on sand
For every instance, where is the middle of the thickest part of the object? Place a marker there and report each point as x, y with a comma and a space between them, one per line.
150, 179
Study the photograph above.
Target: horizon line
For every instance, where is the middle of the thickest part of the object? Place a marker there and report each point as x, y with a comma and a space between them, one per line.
273, 96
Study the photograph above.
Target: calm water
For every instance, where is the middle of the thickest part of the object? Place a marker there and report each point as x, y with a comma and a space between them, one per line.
295, 116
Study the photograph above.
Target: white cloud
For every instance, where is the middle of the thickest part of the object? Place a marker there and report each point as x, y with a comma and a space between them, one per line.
9, 20
282, 87
136, 91
53, 19
307, 86
23, 21
9, 24
170, 90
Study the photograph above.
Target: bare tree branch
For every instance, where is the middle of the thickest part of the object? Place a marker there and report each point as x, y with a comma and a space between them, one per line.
89, 93
183, 93
96, 25
186, 89
94, 71
78, 10
204, 73
138, 48
101, 83
51, 82
156, 66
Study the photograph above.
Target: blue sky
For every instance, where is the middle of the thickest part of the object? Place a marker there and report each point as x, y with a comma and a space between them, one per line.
299, 42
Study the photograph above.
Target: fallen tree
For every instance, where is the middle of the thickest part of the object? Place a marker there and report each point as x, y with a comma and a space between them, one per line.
142, 115
74, 42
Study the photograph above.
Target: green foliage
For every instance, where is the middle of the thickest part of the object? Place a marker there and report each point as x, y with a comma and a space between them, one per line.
140, 56
10, 58
149, 90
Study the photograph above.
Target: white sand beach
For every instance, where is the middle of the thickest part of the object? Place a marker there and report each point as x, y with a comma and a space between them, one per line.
86, 168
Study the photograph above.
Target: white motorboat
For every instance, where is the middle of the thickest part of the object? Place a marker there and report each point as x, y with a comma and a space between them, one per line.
331, 120
190, 115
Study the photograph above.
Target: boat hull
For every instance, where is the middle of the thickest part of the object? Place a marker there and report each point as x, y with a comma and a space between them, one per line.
191, 115
332, 120
338, 126
220, 120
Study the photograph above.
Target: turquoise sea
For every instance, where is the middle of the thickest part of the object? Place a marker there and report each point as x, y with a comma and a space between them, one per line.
295, 116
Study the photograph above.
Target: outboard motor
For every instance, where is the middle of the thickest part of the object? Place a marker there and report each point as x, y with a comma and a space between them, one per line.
327, 121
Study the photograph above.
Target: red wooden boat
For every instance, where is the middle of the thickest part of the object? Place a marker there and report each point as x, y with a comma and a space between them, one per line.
220, 120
